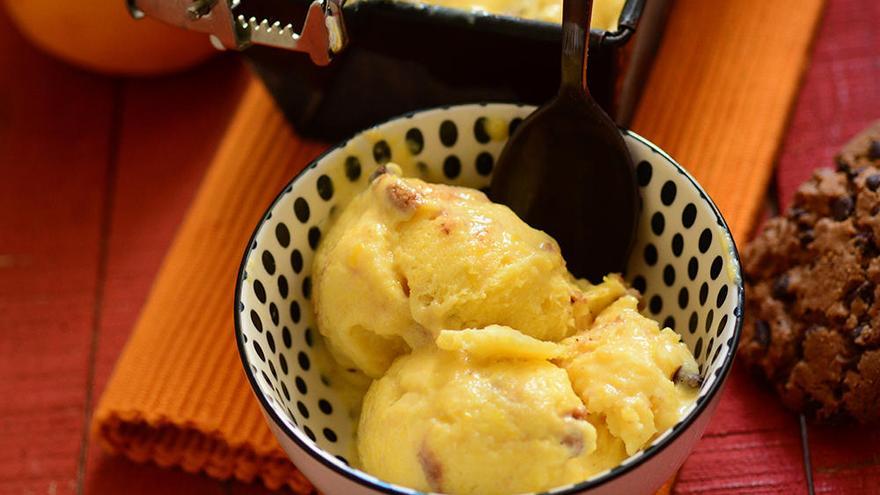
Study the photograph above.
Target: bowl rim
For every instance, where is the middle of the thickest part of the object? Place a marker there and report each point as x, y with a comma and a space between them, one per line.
369, 481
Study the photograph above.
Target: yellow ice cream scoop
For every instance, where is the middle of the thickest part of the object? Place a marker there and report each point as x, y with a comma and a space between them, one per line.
407, 259
631, 373
458, 417
454, 422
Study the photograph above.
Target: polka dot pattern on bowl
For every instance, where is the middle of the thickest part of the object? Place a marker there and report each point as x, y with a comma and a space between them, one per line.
683, 262
685, 250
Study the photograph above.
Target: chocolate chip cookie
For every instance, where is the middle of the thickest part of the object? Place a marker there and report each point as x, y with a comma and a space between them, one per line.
812, 321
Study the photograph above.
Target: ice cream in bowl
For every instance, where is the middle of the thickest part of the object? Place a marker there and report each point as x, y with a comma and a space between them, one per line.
405, 334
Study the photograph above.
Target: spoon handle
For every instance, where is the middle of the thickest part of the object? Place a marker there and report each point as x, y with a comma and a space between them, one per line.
575, 44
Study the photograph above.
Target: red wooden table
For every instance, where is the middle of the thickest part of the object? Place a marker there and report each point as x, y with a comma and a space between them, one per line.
96, 173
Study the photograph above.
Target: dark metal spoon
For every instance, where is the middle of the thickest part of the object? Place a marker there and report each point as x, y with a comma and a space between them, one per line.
566, 169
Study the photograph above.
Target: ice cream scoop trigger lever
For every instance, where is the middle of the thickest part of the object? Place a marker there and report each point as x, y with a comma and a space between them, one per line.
323, 34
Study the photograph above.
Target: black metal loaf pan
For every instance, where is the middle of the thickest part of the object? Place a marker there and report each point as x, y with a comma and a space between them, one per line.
404, 57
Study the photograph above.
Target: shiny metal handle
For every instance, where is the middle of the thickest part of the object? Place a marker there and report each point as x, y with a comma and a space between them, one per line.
323, 35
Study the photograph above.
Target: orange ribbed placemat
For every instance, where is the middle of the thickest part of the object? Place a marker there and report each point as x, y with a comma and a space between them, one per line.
719, 96
717, 100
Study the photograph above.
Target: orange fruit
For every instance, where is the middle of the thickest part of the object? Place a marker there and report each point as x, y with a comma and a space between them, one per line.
101, 35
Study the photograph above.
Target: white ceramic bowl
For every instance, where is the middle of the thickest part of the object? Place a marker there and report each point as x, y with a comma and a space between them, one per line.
684, 262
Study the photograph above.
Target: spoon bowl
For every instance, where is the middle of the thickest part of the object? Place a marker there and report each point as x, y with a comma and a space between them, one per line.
566, 170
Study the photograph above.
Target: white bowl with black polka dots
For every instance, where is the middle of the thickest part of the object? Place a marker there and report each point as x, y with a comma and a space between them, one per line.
684, 262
